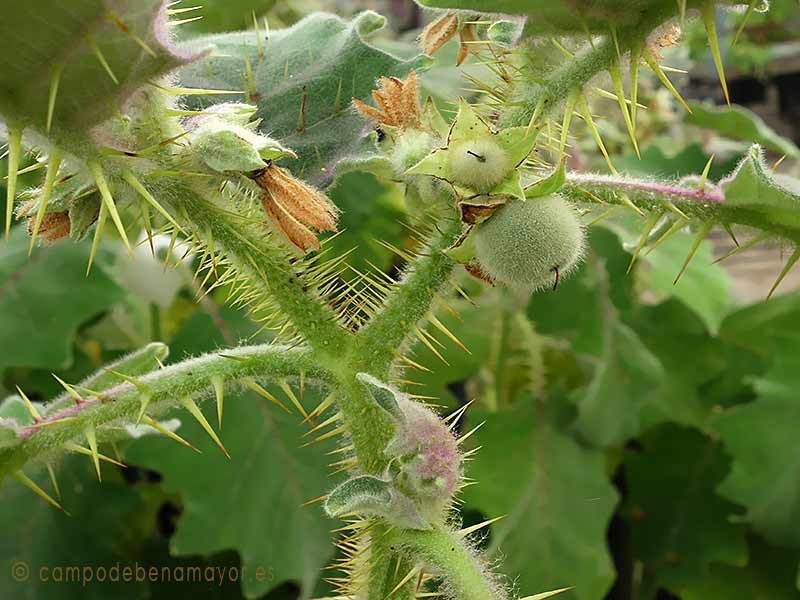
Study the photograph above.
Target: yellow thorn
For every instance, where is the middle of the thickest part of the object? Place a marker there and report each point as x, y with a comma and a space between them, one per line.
251, 91
29, 405
102, 59
189, 404
662, 77
53, 163
265, 394
325, 436
535, 116
616, 79
92, 439
636, 57
411, 574
704, 175
51, 100
468, 530
750, 8
98, 232
322, 407
682, 12
258, 36
219, 394
777, 164
464, 437
323, 425
108, 201
707, 10
785, 271
551, 593
24, 480
125, 29
421, 336
676, 226
569, 106
701, 234
70, 390
170, 434
288, 391
583, 107
648, 227
441, 327
749, 243
14, 155
54, 481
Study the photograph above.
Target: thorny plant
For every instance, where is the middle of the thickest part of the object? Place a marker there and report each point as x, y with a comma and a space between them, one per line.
130, 127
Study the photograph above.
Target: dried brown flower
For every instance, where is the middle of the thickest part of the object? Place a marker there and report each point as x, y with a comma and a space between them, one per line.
294, 207
668, 35
438, 32
397, 100
54, 226
467, 37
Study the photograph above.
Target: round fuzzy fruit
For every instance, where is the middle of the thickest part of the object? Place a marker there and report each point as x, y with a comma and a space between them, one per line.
479, 164
530, 244
410, 148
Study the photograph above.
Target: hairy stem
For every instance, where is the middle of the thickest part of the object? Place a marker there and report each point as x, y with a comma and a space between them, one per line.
409, 302
444, 553
165, 389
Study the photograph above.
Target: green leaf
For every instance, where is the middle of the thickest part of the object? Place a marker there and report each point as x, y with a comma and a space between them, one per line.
102, 531
703, 286
252, 503
740, 123
48, 54
303, 84
548, 185
45, 297
761, 437
556, 499
770, 575
679, 525
757, 327
767, 202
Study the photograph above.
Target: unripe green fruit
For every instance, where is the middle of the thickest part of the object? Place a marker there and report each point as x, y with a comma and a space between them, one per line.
479, 164
410, 148
529, 244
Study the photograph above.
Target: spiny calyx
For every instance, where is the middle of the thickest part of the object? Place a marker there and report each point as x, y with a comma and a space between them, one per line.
478, 161
424, 468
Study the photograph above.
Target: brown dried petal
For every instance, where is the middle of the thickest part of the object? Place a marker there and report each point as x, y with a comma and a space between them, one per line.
297, 233
54, 226
438, 32
301, 201
467, 36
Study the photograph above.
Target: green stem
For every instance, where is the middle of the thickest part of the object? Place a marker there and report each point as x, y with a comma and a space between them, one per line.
388, 568
444, 553
165, 388
575, 74
409, 302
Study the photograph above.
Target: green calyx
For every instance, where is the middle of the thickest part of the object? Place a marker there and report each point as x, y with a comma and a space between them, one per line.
478, 161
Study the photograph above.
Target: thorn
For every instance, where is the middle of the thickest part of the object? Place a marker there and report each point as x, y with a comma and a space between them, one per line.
142, 387
53, 422
704, 175
55, 78
326, 435
250, 89
676, 226
708, 13
31, 485
101, 59
468, 530
551, 593
258, 37
219, 394
569, 106
749, 243
70, 390
729, 231
288, 391
321, 407
54, 481
750, 8
583, 107
265, 394
301, 120
648, 227
53, 163
29, 405
441, 327
785, 271
464, 437
616, 79
453, 418
662, 77
98, 232
91, 437
148, 420
701, 234
682, 12
636, 58
777, 164
14, 155
125, 29
108, 201
190, 405
411, 574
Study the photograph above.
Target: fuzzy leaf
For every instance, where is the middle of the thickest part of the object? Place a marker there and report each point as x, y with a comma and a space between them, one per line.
677, 540
106, 518
754, 190
267, 480
53, 44
557, 500
321, 59
740, 123
44, 298
761, 437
